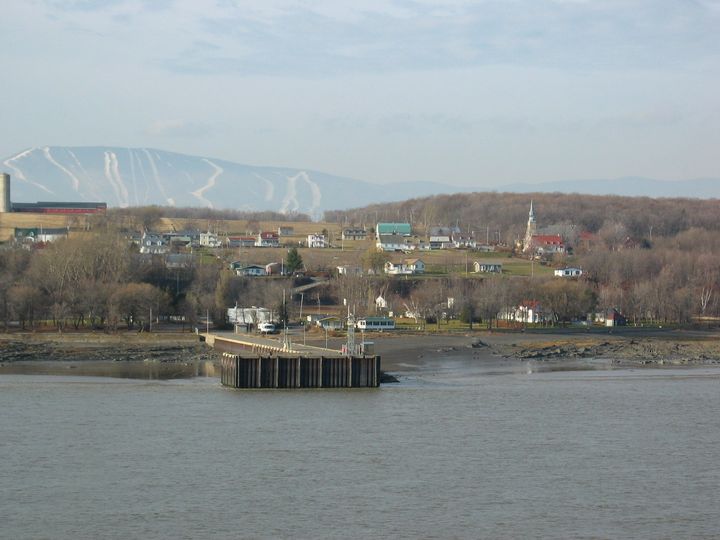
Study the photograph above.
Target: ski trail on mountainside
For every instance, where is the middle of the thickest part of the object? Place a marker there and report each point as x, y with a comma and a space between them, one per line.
290, 202
110, 178
269, 187
169, 200
315, 192
115, 169
199, 194
18, 172
75, 180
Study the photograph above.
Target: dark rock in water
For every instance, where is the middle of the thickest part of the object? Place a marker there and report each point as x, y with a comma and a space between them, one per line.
386, 378
476, 344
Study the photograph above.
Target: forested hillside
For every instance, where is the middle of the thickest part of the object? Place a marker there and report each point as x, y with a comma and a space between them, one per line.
640, 217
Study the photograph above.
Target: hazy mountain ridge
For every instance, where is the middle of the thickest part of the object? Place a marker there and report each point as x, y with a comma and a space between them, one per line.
145, 176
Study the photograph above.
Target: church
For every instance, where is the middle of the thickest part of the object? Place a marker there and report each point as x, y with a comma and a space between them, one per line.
540, 244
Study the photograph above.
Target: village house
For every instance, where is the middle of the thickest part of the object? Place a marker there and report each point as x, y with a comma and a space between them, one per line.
330, 322
547, 244
400, 229
285, 231
249, 270
316, 241
351, 233
240, 241
568, 272
208, 239
395, 242
153, 243
267, 239
460, 241
405, 267
39, 235
440, 237
610, 317
178, 241
487, 267
529, 311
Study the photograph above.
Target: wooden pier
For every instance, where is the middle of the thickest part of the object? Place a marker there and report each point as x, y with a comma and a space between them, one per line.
256, 371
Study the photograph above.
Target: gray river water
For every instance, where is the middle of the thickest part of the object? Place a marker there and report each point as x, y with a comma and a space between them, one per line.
583, 454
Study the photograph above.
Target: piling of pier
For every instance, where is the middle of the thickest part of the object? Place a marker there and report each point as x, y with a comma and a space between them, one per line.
257, 371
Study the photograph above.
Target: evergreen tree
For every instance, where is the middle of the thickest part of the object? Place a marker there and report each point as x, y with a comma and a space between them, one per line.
293, 261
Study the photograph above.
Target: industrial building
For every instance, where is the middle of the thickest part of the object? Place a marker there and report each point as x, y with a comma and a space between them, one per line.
45, 207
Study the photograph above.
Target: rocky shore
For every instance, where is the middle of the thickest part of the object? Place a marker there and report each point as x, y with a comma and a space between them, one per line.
103, 348
627, 351
399, 352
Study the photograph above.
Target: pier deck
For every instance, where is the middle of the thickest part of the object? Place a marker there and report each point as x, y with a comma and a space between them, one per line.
258, 362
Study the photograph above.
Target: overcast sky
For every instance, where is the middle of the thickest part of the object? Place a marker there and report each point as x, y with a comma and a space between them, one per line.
472, 93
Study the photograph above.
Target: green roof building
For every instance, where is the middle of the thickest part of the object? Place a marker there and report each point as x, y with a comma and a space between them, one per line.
402, 229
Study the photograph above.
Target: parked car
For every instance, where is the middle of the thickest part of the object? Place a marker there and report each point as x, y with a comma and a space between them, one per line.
266, 328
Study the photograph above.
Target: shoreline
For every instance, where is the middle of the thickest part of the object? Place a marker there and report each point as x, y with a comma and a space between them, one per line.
401, 353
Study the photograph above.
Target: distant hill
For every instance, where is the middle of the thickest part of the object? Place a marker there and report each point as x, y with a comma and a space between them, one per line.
145, 176
704, 188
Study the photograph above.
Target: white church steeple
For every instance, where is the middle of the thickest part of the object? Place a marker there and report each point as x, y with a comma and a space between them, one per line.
531, 230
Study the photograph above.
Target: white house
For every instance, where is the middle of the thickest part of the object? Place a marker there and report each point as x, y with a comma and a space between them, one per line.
267, 239
529, 311
251, 270
462, 241
316, 241
394, 242
381, 303
41, 234
405, 267
208, 239
568, 272
487, 267
252, 315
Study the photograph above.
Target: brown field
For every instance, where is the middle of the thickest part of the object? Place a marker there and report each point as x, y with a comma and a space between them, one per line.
8, 222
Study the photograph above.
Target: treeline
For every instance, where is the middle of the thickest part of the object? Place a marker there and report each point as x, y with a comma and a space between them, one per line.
505, 214
102, 282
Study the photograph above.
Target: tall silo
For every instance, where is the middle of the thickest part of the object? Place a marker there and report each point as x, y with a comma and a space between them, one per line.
5, 192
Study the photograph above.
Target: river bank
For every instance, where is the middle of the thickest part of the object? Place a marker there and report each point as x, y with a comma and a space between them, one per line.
400, 352
632, 348
99, 347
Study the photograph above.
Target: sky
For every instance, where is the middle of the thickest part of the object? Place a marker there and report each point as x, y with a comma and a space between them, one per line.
478, 93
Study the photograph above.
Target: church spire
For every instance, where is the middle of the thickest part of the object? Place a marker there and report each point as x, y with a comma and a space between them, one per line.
530, 231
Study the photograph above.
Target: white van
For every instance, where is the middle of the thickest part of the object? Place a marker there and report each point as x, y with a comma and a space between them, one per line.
266, 328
